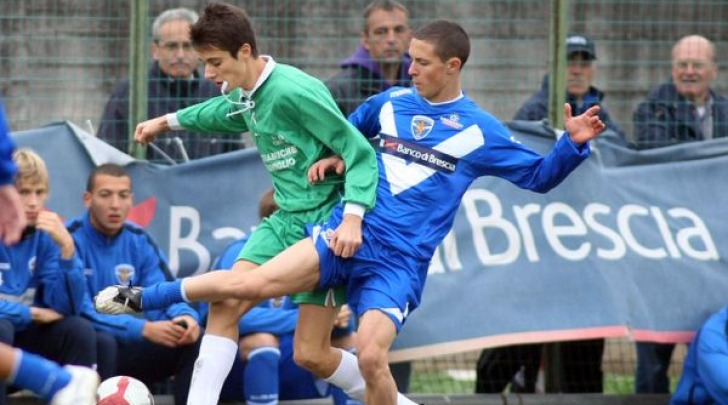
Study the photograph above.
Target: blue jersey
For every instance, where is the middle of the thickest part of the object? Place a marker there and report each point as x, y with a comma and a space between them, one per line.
32, 273
7, 166
704, 379
129, 257
429, 154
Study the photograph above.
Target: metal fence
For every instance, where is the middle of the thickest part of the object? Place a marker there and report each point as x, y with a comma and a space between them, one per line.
61, 59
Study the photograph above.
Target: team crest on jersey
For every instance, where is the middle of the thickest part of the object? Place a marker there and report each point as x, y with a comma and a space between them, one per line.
124, 273
421, 126
452, 121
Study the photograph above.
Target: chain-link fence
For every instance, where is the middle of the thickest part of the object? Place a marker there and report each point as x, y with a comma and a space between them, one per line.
62, 59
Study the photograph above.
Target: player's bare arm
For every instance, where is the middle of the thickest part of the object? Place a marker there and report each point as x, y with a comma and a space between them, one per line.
584, 127
147, 130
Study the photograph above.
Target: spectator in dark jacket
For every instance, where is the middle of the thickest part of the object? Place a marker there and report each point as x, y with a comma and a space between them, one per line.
174, 83
685, 108
380, 61
580, 92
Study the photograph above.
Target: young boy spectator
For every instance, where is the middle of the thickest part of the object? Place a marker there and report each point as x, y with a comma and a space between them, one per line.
41, 279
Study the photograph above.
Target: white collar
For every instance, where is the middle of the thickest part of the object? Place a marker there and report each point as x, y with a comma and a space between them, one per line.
269, 66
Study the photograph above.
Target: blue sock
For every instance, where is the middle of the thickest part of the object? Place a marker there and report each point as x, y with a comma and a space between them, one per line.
162, 295
39, 375
261, 376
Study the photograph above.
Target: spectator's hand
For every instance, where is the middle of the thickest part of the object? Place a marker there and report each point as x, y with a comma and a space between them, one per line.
347, 237
44, 315
584, 127
12, 215
147, 130
317, 171
343, 317
50, 222
192, 329
165, 333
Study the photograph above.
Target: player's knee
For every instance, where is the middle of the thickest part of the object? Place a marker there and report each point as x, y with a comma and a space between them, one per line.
309, 358
372, 361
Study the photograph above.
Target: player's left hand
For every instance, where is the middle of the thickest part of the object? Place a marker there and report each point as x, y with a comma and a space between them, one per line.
347, 237
318, 170
584, 127
192, 329
50, 222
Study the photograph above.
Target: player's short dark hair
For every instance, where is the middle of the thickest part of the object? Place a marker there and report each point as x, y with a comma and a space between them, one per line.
106, 169
225, 27
267, 205
449, 38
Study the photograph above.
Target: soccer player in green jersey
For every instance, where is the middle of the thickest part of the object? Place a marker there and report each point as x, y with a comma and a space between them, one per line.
294, 122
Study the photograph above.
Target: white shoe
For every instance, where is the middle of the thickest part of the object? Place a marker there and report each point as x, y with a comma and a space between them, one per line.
119, 299
81, 390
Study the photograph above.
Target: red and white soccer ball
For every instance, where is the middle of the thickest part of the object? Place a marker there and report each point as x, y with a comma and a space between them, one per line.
123, 390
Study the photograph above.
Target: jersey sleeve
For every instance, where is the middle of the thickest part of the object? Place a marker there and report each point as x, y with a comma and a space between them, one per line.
323, 119
505, 157
211, 116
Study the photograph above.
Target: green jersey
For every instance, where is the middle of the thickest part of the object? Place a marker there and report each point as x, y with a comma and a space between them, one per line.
294, 122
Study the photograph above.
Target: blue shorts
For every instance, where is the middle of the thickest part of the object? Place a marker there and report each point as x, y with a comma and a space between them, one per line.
378, 276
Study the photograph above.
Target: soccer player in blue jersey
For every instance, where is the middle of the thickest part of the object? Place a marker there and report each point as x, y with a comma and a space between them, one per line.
433, 141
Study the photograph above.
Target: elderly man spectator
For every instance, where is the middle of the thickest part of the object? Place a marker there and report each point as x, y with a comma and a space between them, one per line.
685, 108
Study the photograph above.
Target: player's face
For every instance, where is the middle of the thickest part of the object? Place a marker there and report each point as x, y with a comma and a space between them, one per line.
109, 203
693, 70
579, 75
221, 67
387, 35
430, 74
33, 196
174, 51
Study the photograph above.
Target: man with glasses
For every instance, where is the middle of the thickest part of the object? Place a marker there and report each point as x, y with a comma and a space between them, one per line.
685, 108
174, 83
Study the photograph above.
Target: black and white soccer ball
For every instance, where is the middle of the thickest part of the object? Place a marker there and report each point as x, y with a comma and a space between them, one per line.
124, 390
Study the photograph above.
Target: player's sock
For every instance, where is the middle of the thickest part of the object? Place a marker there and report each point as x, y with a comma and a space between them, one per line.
213, 364
38, 374
162, 295
261, 376
348, 377
338, 394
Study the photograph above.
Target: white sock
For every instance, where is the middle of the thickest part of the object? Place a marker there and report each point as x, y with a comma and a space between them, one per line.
212, 367
348, 377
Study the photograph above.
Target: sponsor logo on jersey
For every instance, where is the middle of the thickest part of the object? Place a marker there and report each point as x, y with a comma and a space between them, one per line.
421, 126
452, 121
124, 273
413, 152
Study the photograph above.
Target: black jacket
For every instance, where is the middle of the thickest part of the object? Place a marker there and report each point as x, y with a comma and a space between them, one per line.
165, 95
667, 118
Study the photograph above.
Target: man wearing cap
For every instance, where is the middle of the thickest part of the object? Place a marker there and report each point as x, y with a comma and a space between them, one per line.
580, 92
581, 360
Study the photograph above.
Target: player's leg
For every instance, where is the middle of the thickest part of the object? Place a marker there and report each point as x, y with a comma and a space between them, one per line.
219, 345
376, 334
60, 386
260, 380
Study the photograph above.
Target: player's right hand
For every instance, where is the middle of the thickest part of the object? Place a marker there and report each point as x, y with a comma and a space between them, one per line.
147, 130
347, 238
317, 171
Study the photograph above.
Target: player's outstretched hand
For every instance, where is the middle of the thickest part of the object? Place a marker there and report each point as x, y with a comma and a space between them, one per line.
147, 130
317, 171
584, 127
347, 238
12, 215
